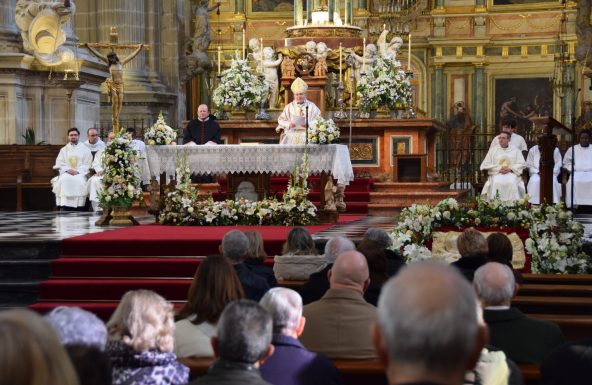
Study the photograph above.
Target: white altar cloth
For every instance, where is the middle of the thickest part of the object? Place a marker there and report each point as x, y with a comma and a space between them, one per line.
270, 158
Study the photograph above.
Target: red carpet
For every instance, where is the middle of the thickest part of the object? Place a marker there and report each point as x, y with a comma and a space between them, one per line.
157, 240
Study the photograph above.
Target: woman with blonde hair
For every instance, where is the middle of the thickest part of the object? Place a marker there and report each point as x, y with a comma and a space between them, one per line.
141, 341
214, 286
30, 352
472, 247
300, 257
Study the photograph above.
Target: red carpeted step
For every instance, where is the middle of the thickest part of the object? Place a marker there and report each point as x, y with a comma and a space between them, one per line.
110, 289
125, 267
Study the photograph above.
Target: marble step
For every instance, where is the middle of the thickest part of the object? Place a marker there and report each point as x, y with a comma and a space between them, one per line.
409, 186
407, 198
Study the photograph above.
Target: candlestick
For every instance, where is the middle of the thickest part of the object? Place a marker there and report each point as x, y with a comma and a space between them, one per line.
219, 56
261, 48
244, 38
364, 56
409, 58
340, 51
384, 27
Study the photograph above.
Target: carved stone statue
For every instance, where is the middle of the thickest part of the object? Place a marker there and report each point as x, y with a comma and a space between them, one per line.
255, 46
270, 71
288, 68
197, 60
389, 50
321, 56
40, 23
367, 60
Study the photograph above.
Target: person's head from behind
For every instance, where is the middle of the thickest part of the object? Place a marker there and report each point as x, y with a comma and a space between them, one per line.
299, 242
428, 325
214, 286
30, 352
285, 307
350, 271
472, 244
495, 284
235, 245
76, 326
568, 364
376, 259
499, 248
143, 320
92, 365
244, 333
378, 235
256, 249
336, 246
509, 125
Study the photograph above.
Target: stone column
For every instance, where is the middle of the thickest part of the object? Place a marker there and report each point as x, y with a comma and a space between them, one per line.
439, 94
331, 10
440, 4
10, 39
309, 11
362, 5
479, 99
569, 98
239, 6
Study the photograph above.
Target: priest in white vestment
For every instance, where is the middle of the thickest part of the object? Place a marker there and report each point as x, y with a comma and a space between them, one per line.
293, 119
516, 140
95, 182
504, 165
533, 161
582, 176
94, 143
73, 163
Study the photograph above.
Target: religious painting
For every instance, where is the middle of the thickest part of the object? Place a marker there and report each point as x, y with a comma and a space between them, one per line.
270, 8
520, 99
400, 145
525, 2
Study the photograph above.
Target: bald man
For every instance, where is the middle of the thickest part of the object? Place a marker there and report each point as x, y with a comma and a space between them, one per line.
338, 325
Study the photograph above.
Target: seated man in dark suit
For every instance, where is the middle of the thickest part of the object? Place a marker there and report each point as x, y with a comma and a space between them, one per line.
291, 363
235, 245
523, 339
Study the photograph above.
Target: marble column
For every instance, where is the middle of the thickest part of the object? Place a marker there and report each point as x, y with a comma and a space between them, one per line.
348, 13
478, 3
439, 4
298, 6
439, 94
479, 99
10, 39
362, 5
331, 11
239, 6
309, 11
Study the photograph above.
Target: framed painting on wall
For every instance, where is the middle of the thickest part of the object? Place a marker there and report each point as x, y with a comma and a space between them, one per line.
270, 8
520, 99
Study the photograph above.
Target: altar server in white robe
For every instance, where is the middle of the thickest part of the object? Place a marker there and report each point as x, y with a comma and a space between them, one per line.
73, 163
516, 140
582, 171
293, 119
94, 143
95, 182
533, 161
504, 165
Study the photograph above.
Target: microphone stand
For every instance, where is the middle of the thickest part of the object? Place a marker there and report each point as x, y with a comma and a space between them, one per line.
306, 125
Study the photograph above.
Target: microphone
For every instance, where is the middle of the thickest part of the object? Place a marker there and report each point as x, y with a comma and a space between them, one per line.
306, 125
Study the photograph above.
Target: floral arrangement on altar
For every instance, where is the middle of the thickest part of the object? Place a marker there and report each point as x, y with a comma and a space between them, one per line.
323, 131
183, 205
240, 88
121, 178
160, 133
385, 84
554, 242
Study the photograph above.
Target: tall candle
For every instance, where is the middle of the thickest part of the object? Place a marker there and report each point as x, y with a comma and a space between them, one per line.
364, 56
384, 27
244, 45
409, 58
219, 58
261, 48
340, 52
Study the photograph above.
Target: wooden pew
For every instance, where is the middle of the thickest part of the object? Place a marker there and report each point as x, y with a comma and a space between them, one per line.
558, 279
555, 290
574, 327
555, 305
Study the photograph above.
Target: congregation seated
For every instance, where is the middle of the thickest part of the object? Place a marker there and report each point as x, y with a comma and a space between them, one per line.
424, 300
382, 238
214, 285
235, 245
569, 363
339, 323
256, 257
30, 352
472, 247
299, 257
291, 363
533, 188
84, 336
582, 174
318, 283
499, 249
504, 165
242, 344
377, 266
140, 342
522, 339
72, 163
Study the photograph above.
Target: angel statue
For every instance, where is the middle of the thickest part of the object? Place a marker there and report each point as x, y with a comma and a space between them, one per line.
115, 87
391, 49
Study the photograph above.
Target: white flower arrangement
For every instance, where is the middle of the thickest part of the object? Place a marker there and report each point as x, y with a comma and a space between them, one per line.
323, 131
240, 88
121, 178
385, 84
554, 238
160, 134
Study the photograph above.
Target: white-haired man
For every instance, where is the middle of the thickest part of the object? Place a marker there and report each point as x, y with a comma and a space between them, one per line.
339, 323
291, 363
428, 330
293, 120
318, 283
523, 339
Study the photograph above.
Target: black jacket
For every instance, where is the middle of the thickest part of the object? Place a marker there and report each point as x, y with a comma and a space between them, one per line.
193, 131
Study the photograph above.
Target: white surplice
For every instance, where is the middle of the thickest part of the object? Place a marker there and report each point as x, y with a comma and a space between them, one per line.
94, 148
509, 186
70, 190
516, 141
582, 175
533, 161
95, 183
296, 113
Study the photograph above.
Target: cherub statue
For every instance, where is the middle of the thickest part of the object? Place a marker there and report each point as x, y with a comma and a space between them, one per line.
270, 71
115, 83
368, 60
321, 56
311, 47
255, 46
40, 23
391, 49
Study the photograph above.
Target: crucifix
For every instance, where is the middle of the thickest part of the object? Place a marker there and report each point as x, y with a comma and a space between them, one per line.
115, 84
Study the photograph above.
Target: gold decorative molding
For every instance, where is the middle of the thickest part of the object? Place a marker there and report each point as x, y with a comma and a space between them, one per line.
439, 52
508, 28
479, 51
546, 25
544, 50
459, 52
505, 52
361, 151
524, 51
458, 25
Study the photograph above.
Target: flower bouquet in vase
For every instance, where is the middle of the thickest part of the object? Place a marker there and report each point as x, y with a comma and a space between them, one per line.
160, 134
323, 131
